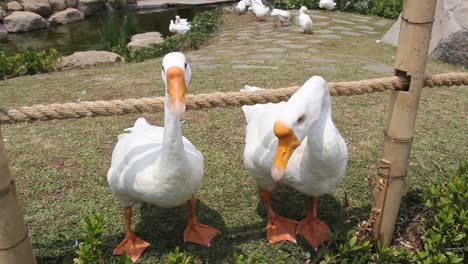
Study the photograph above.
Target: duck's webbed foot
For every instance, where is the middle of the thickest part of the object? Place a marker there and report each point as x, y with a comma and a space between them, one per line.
196, 232
278, 228
312, 229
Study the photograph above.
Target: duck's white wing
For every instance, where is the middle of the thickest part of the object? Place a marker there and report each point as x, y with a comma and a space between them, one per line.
260, 119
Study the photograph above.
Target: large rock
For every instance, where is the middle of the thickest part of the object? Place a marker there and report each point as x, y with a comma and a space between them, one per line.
91, 7
14, 6
3, 32
41, 7
66, 16
20, 21
144, 40
453, 49
71, 3
449, 39
2, 13
81, 59
58, 5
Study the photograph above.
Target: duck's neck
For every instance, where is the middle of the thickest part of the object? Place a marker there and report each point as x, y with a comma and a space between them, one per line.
173, 147
321, 128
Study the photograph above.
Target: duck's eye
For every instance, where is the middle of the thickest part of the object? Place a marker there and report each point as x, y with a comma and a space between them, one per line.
186, 65
301, 119
162, 68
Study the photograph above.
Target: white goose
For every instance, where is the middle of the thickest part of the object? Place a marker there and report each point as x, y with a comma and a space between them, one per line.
295, 143
178, 28
327, 4
260, 10
181, 21
283, 15
304, 20
241, 6
157, 165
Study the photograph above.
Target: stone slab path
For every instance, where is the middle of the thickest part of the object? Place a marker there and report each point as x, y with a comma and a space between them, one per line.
245, 45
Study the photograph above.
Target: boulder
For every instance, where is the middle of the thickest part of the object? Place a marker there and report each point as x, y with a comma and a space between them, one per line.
453, 49
41, 7
58, 5
22, 21
449, 40
91, 7
71, 3
3, 31
145, 39
14, 6
81, 59
2, 13
66, 16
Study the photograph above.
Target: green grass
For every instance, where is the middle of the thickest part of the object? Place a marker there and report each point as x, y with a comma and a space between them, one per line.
61, 166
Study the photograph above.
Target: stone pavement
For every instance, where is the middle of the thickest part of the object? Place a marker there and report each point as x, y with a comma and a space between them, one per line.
264, 46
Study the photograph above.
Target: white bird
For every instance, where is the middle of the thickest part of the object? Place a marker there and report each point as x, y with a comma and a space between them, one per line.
297, 144
283, 15
178, 29
327, 4
304, 20
260, 10
157, 165
181, 21
241, 6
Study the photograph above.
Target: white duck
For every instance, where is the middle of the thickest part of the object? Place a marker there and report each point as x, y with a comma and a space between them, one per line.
304, 20
241, 6
260, 10
327, 4
295, 143
181, 21
178, 28
283, 15
157, 165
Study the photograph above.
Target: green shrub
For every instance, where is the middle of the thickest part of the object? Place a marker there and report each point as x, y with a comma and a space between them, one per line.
27, 62
117, 29
89, 251
445, 233
177, 257
204, 25
444, 238
256, 259
91, 231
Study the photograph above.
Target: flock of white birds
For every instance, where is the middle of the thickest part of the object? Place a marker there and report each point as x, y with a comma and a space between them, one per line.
179, 25
260, 10
182, 26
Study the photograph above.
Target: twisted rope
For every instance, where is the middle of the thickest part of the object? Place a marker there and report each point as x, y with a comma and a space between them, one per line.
195, 102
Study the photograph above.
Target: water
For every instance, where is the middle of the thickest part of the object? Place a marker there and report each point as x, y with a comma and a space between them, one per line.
85, 35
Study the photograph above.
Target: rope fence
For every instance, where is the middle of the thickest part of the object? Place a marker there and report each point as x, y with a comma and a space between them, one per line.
195, 102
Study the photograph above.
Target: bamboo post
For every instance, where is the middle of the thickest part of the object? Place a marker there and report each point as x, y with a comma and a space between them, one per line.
413, 46
15, 245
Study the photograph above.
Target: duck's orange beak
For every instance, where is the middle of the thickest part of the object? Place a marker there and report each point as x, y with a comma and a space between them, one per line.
287, 143
176, 89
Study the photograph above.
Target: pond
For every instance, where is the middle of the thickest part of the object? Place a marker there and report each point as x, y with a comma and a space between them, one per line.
86, 35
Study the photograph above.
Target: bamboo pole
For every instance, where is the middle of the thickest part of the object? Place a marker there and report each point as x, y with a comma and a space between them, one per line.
413, 46
15, 245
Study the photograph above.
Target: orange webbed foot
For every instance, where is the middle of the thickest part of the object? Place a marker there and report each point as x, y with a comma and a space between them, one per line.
314, 231
200, 234
281, 228
133, 246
